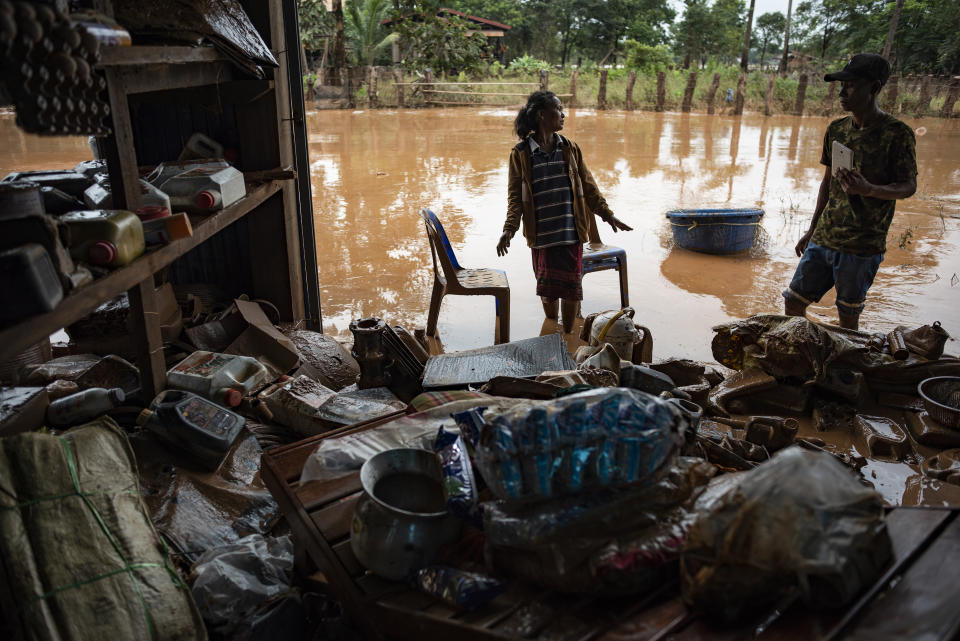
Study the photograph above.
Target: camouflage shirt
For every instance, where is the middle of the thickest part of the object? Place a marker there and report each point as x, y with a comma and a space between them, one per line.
884, 153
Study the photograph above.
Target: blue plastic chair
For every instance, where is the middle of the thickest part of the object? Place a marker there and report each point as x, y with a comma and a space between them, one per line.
449, 277
597, 257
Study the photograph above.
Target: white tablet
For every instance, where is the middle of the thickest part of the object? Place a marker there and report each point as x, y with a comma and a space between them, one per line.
842, 157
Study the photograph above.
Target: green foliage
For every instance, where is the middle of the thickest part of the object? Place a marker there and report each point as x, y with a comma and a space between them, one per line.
768, 32
429, 42
527, 63
646, 57
709, 31
363, 21
315, 23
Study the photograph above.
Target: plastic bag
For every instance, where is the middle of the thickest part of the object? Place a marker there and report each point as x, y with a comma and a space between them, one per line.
459, 485
612, 540
601, 437
467, 590
229, 583
798, 524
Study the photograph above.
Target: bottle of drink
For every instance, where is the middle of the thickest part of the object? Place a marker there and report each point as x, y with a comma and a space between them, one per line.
83, 406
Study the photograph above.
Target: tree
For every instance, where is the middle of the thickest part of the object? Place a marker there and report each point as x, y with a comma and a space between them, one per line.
428, 40
365, 22
769, 26
688, 33
316, 23
893, 29
786, 38
745, 56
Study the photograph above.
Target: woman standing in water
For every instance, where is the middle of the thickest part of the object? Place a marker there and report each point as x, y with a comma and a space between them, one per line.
551, 191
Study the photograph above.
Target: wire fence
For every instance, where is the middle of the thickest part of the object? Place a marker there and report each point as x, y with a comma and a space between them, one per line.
727, 91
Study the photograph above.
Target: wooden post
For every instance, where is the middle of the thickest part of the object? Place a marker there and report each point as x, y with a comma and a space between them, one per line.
829, 99
768, 99
801, 95
946, 111
428, 86
893, 92
398, 83
712, 92
631, 81
372, 89
925, 95
145, 315
544, 80
573, 87
661, 90
688, 92
602, 92
740, 97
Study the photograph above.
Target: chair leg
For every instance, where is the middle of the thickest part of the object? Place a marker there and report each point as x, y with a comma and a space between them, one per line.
435, 299
624, 290
502, 332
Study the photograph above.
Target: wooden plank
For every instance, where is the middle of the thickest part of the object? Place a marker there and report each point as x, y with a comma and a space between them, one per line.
146, 336
16, 338
650, 623
349, 561
149, 78
140, 55
334, 520
122, 159
316, 494
406, 624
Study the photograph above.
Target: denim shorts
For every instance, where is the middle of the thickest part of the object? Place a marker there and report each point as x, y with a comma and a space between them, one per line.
821, 268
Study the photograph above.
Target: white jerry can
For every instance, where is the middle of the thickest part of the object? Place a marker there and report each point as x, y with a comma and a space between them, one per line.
631, 341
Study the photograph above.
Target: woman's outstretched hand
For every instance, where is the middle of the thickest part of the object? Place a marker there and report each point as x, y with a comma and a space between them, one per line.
618, 224
504, 243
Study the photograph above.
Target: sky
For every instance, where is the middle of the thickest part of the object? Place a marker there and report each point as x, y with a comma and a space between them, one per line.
761, 7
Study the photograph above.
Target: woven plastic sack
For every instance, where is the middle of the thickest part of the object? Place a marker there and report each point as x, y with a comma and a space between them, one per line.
81, 559
799, 525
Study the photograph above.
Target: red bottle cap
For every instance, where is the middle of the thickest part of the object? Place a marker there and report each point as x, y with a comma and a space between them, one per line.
102, 252
150, 212
205, 200
232, 398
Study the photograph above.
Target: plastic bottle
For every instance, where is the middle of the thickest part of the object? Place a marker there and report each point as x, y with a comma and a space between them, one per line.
205, 188
107, 237
221, 378
28, 283
83, 406
100, 196
193, 424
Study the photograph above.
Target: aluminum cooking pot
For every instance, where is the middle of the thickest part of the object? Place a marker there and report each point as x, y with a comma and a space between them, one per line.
401, 519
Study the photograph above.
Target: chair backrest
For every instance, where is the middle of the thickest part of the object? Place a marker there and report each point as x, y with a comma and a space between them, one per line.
444, 241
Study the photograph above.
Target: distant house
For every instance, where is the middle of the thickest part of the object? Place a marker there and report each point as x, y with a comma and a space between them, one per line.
491, 29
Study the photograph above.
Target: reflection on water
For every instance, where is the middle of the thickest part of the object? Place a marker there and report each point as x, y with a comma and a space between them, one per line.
373, 170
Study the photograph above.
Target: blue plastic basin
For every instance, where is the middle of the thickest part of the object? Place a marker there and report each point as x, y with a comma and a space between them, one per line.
715, 231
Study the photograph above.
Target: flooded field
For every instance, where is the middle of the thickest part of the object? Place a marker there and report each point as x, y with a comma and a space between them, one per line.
373, 170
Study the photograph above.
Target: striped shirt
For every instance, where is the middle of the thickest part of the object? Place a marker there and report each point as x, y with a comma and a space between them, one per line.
552, 197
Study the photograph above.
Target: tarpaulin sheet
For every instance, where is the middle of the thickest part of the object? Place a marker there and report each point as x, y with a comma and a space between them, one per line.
525, 358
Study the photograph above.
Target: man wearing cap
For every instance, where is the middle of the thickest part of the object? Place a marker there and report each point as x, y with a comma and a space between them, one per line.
844, 245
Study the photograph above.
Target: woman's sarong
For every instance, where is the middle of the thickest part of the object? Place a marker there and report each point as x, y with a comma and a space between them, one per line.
559, 271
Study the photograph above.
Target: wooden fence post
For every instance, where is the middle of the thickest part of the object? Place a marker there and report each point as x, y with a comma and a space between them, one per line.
573, 87
801, 95
398, 83
602, 92
893, 92
925, 95
631, 81
946, 111
428, 86
688, 92
740, 97
661, 90
768, 99
544, 79
372, 89
712, 92
829, 99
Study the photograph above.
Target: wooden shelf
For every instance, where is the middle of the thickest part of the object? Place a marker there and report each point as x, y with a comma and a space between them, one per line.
143, 69
82, 301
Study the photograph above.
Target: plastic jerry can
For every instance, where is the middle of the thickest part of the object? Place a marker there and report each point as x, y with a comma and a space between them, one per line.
205, 188
29, 283
83, 406
221, 378
192, 424
107, 237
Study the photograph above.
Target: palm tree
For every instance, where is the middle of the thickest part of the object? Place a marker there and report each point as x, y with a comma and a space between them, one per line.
366, 24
